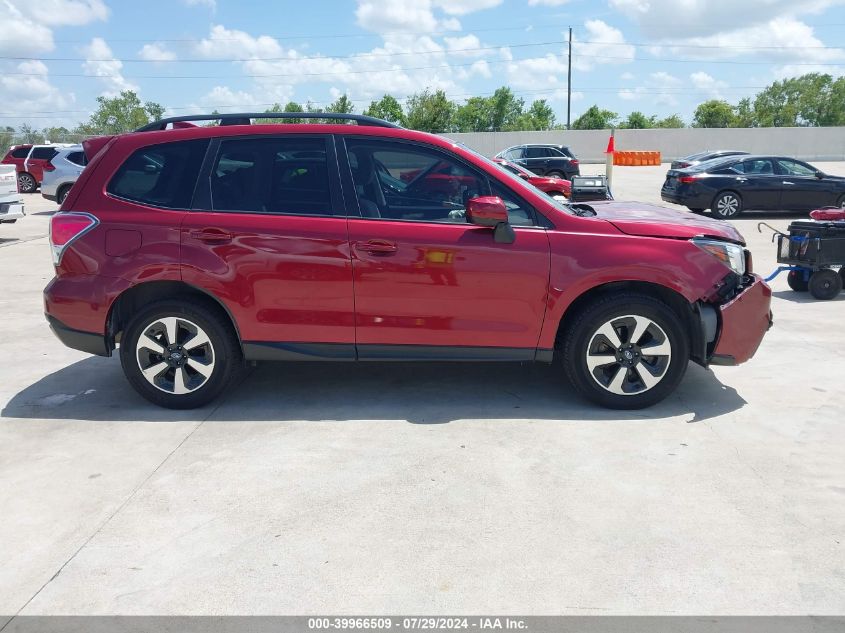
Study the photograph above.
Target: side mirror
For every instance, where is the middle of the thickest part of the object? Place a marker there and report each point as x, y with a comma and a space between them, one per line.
491, 212
486, 211
819, 174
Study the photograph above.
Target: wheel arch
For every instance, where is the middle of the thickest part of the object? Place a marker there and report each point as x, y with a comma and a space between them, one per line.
679, 304
139, 295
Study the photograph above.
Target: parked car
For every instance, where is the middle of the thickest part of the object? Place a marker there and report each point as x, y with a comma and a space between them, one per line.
544, 160
700, 157
196, 248
11, 202
62, 171
554, 186
31, 167
729, 186
16, 156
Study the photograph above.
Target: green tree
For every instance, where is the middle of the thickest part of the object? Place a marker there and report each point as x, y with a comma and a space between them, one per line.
638, 121
293, 106
430, 111
671, 121
341, 105
714, 113
122, 113
539, 116
29, 134
7, 137
388, 109
813, 99
744, 114
595, 119
473, 116
505, 109
56, 134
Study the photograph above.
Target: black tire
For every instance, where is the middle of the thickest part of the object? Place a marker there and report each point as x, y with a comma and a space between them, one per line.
842, 274
696, 210
222, 354
841, 202
554, 172
727, 205
60, 197
796, 281
825, 284
584, 340
27, 183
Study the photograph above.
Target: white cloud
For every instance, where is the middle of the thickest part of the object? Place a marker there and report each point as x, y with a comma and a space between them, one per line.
156, 52
26, 27
29, 91
463, 7
62, 12
211, 4
100, 62
546, 3
626, 76
383, 16
708, 85
603, 44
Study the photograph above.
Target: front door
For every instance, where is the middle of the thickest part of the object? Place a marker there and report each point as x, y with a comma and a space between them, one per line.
802, 190
758, 184
427, 283
269, 239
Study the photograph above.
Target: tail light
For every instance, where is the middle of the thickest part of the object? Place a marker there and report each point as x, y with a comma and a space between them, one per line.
687, 180
66, 228
574, 161
49, 166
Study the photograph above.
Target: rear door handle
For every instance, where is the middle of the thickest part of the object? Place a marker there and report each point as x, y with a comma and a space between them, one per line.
211, 236
377, 247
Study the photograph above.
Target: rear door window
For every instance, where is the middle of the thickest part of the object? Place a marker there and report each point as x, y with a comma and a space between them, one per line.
755, 167
77, 158
283, 175
161, 175
537, 152
43, 153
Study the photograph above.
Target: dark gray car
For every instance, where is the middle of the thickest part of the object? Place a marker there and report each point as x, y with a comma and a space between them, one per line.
544, 160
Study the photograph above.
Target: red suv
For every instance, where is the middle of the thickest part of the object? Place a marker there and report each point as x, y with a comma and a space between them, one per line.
193, 249
30, 161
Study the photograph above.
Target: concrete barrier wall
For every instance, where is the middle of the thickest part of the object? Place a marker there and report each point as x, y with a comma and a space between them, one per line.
823, 144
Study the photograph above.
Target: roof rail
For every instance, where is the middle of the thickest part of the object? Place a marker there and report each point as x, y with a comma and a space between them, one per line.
239, 118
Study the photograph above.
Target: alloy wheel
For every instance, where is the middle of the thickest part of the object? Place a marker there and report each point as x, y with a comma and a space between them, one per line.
175, 355
727, 205
629, 355
26, 183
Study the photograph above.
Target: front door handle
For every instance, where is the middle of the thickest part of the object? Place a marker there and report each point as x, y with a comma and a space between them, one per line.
377, 247
786, 182
211, 236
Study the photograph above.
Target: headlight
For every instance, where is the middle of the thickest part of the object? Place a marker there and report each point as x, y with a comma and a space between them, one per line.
731, 255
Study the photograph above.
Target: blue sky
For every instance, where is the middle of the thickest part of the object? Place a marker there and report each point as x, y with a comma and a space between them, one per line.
657, 56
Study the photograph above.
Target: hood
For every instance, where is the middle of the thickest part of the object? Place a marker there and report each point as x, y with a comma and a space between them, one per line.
651, 220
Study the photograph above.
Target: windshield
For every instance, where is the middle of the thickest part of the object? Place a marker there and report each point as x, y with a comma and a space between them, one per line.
517, 182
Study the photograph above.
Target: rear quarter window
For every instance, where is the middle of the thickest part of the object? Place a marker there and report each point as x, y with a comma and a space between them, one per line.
161, 175
77, 158
21, 152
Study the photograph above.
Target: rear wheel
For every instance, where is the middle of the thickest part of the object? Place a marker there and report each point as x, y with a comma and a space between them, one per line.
825, 284
727, 205
796, 281
26, 183
179, 355
554, 174
626, 351
60, 198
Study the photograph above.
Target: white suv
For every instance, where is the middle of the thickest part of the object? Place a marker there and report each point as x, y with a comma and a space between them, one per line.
11, 202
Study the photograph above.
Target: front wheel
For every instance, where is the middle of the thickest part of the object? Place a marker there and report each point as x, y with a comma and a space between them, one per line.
26, 183
727, 205
797, 281
179, 355
626, 351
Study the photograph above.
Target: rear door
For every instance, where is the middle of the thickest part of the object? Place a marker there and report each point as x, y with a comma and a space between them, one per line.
802, 190
427, 283
268, 236
37, 159
757, 182
536, 159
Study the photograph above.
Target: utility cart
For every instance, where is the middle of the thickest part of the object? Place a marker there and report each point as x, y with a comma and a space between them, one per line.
813, 253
